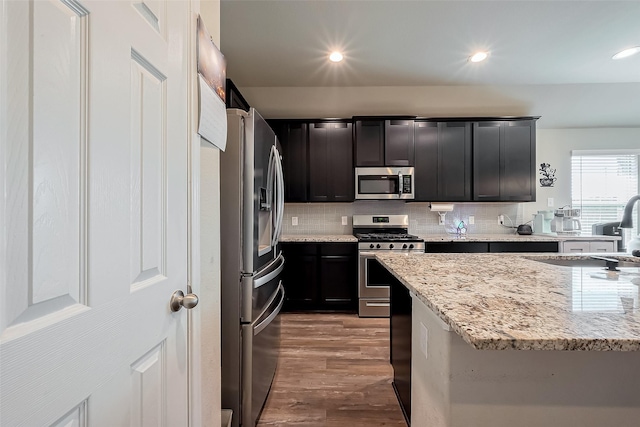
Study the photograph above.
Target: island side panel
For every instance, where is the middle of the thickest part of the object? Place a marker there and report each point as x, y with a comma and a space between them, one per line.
455, 385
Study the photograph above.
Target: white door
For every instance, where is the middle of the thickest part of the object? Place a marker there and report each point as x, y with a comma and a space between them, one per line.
93, 241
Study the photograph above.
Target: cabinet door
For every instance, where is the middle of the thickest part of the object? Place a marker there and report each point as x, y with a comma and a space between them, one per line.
293, 137
523, 247
300, 276
457, 247
454, 161
234, 98
399, 143
319, 160
486, 161
601, 246
369, 142
518, 160
426, 161
337, 282
575, 246
341, 163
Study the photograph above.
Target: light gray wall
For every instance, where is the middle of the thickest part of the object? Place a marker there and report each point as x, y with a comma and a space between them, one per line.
554, 146
560, 106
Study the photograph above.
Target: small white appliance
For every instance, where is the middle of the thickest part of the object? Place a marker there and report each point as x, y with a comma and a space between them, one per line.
542, 222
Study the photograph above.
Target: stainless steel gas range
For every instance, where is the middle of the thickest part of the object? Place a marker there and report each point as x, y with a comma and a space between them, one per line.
379, 233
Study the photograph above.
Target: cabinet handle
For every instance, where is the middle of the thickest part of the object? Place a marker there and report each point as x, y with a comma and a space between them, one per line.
427, 124
378, 304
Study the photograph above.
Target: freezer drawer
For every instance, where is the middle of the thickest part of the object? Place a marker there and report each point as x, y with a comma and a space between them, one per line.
262, 362
370, 307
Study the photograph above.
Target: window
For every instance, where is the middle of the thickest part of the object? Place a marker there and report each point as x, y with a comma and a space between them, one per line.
602, 182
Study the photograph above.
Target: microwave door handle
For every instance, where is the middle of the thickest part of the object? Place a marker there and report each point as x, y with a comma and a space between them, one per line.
400, 184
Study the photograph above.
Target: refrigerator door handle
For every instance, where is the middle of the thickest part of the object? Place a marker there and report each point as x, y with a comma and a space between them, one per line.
272, 270
260, 326
279, 199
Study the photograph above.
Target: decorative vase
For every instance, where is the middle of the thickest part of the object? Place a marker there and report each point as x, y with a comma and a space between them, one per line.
547, 182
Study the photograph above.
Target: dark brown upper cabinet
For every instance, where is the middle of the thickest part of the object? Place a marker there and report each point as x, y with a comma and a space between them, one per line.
443, 161
234, 98
293, 138
382, 142
504, 160
331, 175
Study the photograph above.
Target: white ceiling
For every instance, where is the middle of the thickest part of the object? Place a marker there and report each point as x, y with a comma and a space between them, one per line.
426, 43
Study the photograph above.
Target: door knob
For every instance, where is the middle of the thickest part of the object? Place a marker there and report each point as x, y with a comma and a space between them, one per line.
179, 300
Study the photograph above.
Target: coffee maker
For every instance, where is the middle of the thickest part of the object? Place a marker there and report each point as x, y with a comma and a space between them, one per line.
542, 222
566, 221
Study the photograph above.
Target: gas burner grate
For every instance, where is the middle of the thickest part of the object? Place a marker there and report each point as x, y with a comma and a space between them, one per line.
385, 236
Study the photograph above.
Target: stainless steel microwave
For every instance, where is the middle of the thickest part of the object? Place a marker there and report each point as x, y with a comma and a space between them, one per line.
385, 183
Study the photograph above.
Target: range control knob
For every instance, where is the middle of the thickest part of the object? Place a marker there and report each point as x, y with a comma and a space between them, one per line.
378, 246
391, 246
411, 246
404, 246
371, 246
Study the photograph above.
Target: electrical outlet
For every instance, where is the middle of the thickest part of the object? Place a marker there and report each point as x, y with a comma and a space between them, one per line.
345, 221
294, 220
472, 219
549, 202
500, 219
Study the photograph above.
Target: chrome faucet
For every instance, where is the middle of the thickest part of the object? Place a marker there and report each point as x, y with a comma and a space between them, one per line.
627, 221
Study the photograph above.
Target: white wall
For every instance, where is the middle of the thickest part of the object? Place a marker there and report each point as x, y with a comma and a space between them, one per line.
554, 146
209, 206
560, 106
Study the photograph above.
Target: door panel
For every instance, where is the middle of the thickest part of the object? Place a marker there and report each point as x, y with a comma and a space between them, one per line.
426, 156
148, 156
94, 174
341, 163
319, 180
486, 160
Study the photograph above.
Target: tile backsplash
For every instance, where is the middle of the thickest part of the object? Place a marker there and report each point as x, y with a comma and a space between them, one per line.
326, 218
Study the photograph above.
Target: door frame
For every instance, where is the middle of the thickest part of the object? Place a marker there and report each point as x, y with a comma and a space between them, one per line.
203, 323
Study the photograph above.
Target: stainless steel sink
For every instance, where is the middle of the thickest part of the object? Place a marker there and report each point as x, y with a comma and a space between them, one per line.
586, 262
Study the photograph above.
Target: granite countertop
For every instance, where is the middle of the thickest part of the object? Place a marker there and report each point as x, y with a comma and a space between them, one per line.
447, 238
511, 301
510, 238
319, 238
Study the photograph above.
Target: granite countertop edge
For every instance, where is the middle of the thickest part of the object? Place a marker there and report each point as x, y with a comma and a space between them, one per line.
320, 238
499, 341
289, 238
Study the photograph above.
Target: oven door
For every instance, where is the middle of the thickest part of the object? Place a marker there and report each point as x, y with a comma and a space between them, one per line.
372, 278
384, 183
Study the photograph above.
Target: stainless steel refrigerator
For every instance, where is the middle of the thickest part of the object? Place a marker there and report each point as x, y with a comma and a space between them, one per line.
251, 211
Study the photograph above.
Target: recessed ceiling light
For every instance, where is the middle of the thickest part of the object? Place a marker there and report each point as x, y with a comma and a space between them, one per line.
478, 56
627, 52
335, 57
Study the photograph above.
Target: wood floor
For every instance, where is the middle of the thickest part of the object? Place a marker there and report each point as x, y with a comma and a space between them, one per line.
334, 371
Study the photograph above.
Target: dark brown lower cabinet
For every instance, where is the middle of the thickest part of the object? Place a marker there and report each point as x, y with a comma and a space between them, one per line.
320, 276
490, 247
400, 325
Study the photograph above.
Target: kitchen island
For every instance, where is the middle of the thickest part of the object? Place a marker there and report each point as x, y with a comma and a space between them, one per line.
506, 340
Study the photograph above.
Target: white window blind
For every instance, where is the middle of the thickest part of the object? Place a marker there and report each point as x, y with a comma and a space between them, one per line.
601, 185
